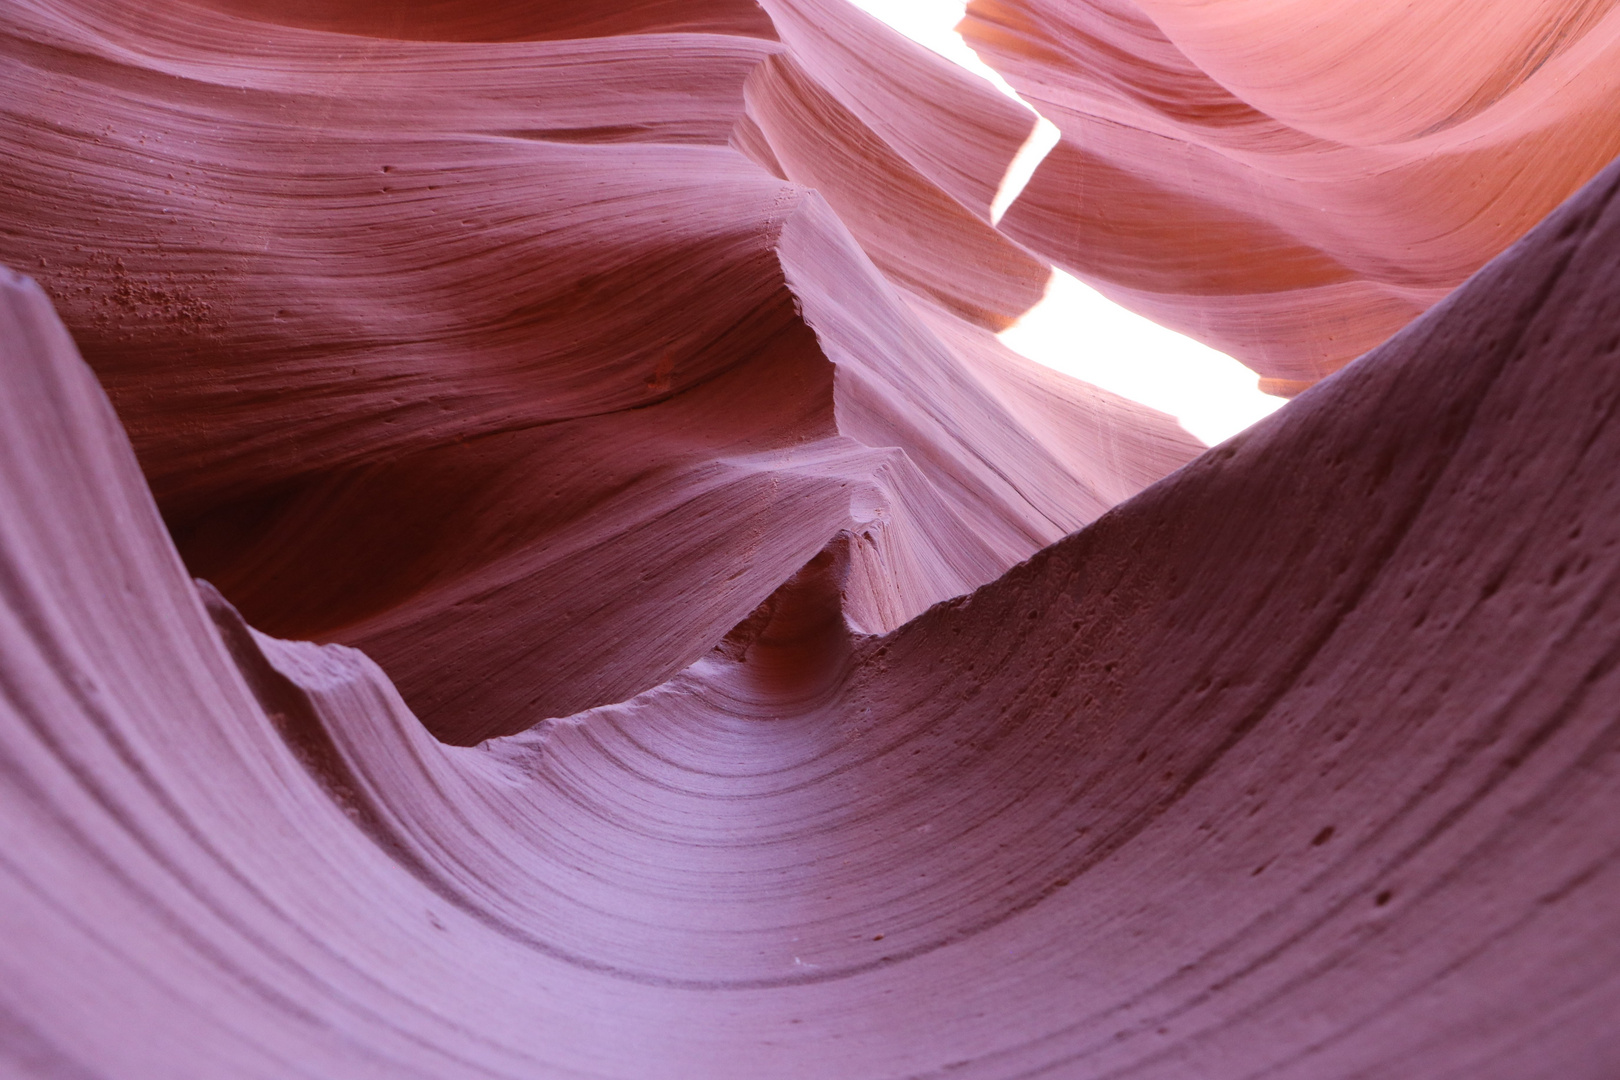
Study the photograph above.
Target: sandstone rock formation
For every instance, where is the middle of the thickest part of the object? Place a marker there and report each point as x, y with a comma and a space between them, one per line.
1291, 181
474, 354
753, 679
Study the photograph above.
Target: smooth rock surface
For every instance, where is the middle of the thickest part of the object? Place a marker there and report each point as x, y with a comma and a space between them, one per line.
1300, 763
1292, 181
473, 353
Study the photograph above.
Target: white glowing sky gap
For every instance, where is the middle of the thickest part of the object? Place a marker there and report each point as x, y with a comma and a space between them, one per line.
1074, 329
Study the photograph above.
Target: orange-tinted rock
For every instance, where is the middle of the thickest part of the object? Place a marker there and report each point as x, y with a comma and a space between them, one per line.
1293, 182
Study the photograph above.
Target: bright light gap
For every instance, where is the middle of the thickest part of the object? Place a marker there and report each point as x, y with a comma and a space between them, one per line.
1074, 329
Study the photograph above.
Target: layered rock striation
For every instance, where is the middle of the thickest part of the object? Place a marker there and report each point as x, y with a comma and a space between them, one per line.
1293, 182
729, 660
474, 354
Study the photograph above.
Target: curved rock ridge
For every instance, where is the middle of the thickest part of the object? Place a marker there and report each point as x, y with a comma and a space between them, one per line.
473, 353
1300, 763
1293, 181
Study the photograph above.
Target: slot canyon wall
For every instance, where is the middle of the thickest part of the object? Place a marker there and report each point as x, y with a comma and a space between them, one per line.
1293, 181
544, 567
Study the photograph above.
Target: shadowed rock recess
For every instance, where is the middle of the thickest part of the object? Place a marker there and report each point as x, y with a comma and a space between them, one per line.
728, 660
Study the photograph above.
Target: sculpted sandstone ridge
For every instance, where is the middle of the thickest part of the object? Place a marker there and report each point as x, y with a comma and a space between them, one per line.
1294, 180
544, 567
476, 354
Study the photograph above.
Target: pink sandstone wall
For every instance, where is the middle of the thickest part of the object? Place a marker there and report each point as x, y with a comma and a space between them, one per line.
727, 659
1292, 181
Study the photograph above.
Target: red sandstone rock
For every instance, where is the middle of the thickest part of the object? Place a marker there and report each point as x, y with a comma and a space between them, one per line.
1293, 181
475, 354
534, 365
506, 20
1301, 763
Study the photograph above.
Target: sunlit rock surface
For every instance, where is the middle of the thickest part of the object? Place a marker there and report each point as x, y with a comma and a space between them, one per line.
1292, 181
752, 677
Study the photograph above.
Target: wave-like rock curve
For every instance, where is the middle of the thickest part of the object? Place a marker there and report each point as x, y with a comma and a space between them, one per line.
729, 660
1300, 763
1294, 181
472, 355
